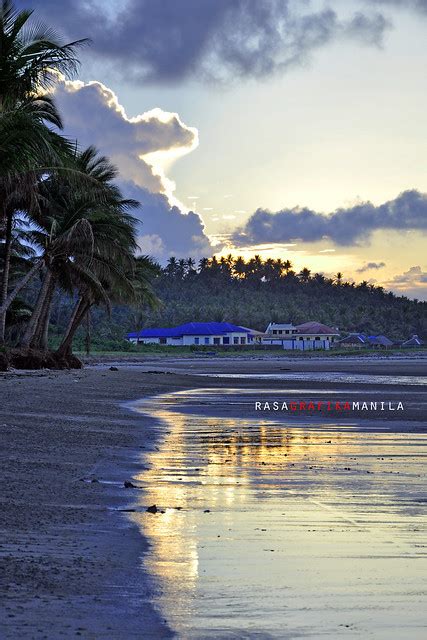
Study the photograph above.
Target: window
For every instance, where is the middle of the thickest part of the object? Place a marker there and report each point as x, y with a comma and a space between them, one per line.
226, 340
162, 340
317, 338
300, 338
207, 341
275, 331
235, 340
242, 340
196, 340
217, 341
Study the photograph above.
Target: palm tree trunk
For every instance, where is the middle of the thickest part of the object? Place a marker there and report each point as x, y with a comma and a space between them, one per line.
28, 336
88, 338
79, 311
20, 285
40, 337
5, 274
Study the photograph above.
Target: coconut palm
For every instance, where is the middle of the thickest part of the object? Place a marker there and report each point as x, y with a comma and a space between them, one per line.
27, 148
239, 267
338, 279
304, 275
81, 234
31, 57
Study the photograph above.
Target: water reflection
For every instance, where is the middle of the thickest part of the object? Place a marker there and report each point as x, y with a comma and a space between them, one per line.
271, 529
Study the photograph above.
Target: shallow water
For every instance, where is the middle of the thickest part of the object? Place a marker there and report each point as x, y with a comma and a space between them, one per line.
326, 376
313, 529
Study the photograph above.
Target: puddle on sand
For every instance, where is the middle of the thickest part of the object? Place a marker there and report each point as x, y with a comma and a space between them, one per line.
313, 530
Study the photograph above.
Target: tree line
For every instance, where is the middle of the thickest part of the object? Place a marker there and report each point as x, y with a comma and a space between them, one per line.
251, 293
256, 291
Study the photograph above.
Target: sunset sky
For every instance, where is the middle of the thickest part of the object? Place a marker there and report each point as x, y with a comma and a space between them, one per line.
292, 129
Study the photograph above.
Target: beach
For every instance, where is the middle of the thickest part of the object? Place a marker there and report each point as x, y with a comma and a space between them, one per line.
79, 553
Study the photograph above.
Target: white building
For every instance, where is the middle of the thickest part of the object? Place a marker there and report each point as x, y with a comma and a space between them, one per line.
195, 333
304, 337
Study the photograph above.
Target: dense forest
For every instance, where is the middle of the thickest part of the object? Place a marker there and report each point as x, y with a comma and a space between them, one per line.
253, 293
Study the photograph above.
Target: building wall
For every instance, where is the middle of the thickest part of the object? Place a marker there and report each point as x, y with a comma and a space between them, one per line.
223, 339
300, 343
203, 340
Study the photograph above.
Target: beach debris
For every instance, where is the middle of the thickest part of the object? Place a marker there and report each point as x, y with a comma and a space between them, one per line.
152, 509
114, 369
207, 511
129, 485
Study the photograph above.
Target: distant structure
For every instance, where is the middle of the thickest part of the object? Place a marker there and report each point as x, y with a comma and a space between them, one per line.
308, 336
415, 341
195, 333
358, 340
380, 341
354, 340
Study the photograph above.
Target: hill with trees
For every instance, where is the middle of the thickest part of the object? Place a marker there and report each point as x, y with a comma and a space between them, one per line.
252, 293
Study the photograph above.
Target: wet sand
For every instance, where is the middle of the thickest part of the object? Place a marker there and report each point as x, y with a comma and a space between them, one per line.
69, 559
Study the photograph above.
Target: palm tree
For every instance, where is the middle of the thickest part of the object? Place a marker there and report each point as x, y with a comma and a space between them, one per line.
78, 232
27, 147
304, 275
31, 56
239, 267
338, 279
172, 267
190, 265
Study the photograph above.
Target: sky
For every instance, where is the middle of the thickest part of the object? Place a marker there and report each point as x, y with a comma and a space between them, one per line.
291, 129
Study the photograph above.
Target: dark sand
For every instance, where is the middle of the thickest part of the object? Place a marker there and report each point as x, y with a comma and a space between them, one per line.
67, 554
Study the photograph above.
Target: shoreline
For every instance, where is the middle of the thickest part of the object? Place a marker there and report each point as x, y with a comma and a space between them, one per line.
76, 552
70, 567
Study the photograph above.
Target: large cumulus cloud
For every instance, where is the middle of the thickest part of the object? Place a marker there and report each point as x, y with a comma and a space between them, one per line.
93, 115
173, 40
349, 226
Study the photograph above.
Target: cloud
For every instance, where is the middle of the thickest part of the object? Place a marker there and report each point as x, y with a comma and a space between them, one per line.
220, 40
165, 229
371, 265
419, 5
414, 276
412, 282
344, 227
93, 115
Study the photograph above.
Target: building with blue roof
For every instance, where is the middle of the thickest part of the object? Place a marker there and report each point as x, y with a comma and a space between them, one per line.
195, 333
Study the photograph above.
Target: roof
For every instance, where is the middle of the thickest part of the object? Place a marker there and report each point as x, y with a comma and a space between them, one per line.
354, 338
253, 332
316, 328
190, 329
380, 340
415, 341
281, 325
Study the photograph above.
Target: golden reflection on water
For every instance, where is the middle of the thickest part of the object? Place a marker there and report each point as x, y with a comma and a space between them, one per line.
237, 476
